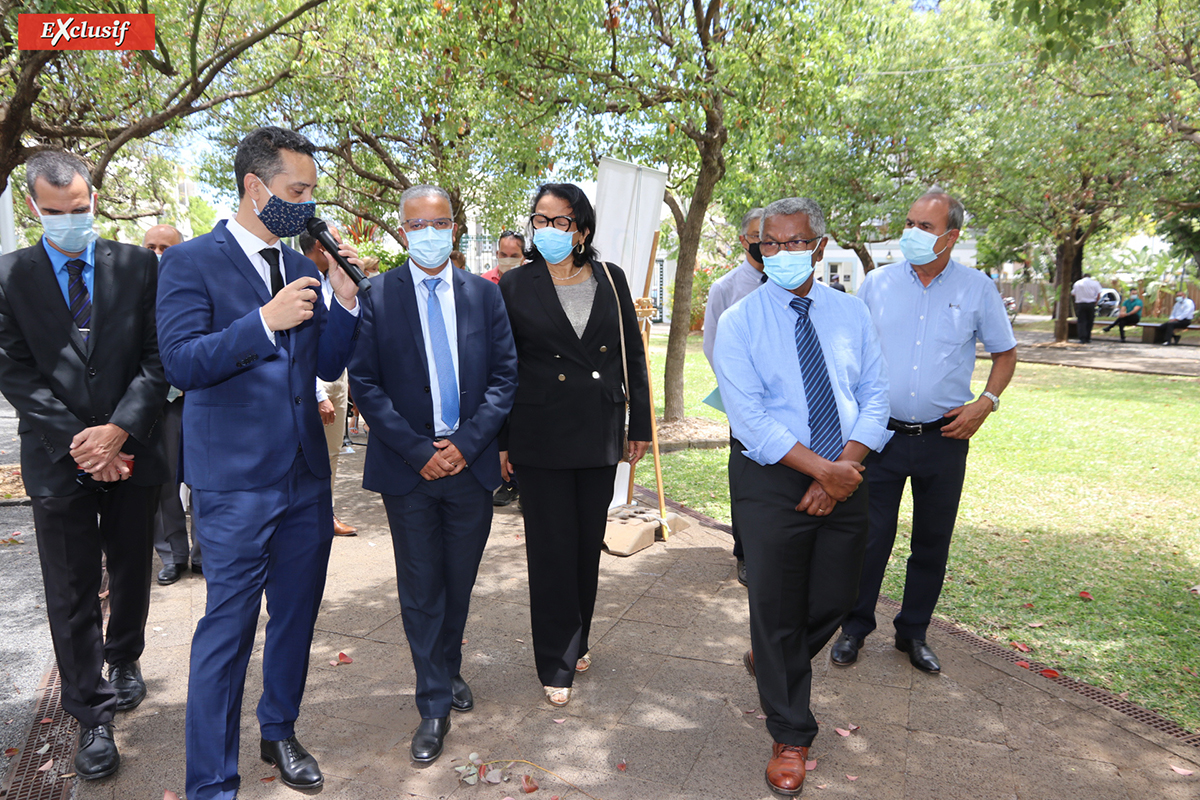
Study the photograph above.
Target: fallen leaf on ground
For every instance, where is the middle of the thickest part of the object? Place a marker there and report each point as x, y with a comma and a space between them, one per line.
1036, 624
528, 784
851, 777
810, 765
104, 594
852, 727
41, 751
1049, 673
46, 766
67, 775
46, 721
169, 795
345, 659
333, 663
559, 721
1024, 648
267, 779
841, 731
1027, 605
760, 716
1086, 595
464, 641
1191, 672
1124, 695
1181, 770
621, 765
822, 785
1195, 589
1023, 664
522, 641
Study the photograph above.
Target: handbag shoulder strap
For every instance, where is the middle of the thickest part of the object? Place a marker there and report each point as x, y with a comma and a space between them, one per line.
621, 326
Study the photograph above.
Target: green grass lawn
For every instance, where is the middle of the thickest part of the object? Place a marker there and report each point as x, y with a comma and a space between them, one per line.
1085, 481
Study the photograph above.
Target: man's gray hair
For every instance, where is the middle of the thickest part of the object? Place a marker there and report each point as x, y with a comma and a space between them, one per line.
751, 215
424, 190
790, 206
56, 167
958, 214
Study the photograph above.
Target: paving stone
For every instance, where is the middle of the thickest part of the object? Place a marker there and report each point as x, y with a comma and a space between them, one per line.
950, 709
1162, 783
840, 703
676, 613
944, 766
1048, 776
690, 695
1026, 701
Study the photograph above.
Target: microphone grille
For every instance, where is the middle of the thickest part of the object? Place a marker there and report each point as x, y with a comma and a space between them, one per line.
316, 225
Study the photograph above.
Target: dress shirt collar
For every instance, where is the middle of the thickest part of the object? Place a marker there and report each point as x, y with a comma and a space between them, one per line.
783, 297
751, 272
250, 243
419, 275
59, 259
951, 265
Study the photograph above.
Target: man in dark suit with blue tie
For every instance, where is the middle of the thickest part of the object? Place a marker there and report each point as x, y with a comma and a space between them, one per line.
434, 375
244, 331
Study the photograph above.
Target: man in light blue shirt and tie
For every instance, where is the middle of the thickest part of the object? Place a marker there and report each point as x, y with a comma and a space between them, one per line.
929, 311
434, 375
802, 380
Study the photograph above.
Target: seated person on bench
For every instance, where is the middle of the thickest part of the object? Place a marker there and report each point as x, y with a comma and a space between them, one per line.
1130, 313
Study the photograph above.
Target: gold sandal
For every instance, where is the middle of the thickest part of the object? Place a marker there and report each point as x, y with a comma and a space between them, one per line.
558, 696
584, 663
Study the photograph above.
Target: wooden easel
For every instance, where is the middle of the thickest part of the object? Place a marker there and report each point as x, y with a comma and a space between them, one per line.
645, 310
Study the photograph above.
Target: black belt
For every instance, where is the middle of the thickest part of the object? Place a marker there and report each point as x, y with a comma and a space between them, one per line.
917, 428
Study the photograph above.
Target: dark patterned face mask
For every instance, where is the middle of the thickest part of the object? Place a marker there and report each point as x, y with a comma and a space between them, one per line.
283, 218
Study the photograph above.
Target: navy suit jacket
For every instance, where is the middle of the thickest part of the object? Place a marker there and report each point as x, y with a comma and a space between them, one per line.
389, 380
249, 401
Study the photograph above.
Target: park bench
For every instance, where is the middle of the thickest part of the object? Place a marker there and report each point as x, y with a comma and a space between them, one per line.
1155, 333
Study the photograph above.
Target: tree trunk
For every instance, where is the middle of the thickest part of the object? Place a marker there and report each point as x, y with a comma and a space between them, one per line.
711, 170
1069, 255
864, 255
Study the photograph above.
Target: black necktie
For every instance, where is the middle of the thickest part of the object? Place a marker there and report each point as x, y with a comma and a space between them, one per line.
763, 279
77, 296
272, 257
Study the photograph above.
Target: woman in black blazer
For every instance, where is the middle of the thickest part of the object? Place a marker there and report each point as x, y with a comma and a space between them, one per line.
566, 429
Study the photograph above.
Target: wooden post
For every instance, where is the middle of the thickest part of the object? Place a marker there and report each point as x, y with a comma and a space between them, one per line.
645, 310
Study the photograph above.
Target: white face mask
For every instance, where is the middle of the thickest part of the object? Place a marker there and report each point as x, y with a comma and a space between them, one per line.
71, 233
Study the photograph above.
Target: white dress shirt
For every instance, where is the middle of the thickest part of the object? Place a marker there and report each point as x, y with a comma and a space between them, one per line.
1086, 290
445, 296
1184, 308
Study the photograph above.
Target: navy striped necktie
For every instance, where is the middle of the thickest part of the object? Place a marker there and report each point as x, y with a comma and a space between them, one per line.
824, 425
78, 298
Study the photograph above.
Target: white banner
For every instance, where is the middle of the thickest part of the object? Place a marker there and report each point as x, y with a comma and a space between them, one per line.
629, 203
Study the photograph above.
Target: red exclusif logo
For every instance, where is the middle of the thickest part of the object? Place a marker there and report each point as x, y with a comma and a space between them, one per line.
85, 31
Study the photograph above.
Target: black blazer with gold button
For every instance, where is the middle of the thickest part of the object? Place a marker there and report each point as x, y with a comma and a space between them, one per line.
570, 406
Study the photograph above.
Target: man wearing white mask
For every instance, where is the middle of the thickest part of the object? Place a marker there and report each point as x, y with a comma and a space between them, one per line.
1181, 317
928, 310
510, 252
434, 374
79, 362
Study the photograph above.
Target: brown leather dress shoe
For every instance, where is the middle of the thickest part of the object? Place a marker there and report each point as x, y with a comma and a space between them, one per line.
785, 770
342, 529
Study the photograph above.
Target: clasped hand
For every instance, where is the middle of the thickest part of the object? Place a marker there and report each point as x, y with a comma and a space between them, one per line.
837, 483
446, 460
97, 451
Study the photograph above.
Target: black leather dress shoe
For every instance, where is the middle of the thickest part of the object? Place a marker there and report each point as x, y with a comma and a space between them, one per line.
297, 768
920, 654
126, 678
170, 573
198, 569
742, 572
461, 698
427, 741
845, 650
97, 755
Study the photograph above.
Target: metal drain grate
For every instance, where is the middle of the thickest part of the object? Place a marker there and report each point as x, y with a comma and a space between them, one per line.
1102, 696
26, 779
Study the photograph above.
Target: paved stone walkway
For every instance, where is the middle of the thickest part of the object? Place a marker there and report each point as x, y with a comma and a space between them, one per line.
667, 695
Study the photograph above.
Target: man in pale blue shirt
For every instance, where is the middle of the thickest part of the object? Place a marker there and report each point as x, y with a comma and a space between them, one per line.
802, 380
725, 291
929, 310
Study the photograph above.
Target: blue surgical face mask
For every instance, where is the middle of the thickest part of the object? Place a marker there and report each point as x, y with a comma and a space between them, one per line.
430, 247
71, 233
553, 244
789, 269
917, 246
282, 218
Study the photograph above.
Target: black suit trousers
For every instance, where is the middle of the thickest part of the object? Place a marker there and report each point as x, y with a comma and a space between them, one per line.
1085, 315
73, 533
937, 466
566, 512
802, 573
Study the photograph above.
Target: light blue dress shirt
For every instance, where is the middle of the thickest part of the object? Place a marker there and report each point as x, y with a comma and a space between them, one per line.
445, 296
928, 334
725, 291
758, 370
59, 262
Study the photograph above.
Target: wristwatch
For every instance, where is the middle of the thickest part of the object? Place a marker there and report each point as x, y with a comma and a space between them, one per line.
995, 400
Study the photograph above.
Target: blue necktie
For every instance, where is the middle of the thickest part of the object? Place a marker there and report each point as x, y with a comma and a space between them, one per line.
80, 301
443, 360
824, 426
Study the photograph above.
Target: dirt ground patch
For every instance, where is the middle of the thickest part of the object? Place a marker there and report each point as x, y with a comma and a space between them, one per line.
11, 484
692, 429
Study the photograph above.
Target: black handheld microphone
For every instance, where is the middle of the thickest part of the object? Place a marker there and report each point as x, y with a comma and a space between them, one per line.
320, 232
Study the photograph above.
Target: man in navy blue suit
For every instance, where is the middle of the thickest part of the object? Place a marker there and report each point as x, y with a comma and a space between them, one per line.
245, 332
434, 376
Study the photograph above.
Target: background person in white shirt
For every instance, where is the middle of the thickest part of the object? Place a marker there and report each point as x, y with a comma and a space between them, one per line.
1086, 292
1182, 314
725, 291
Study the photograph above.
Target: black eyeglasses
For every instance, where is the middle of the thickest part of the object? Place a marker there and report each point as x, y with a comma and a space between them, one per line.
413, 225
773, 248
539, 221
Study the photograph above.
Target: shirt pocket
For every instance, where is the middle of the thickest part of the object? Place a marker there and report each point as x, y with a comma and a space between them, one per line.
954, 326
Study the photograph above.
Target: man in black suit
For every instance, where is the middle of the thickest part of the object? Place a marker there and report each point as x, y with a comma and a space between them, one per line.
79, 361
